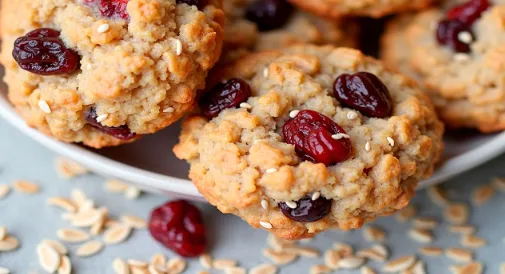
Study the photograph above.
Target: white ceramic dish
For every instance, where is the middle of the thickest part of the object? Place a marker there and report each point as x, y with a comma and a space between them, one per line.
151, 165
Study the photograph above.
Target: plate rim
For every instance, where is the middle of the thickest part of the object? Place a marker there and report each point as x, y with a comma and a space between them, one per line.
164, 183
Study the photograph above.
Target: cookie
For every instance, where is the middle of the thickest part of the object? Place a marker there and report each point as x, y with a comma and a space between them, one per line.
369, 8
457, 53
276, 147
256, 25
104, 72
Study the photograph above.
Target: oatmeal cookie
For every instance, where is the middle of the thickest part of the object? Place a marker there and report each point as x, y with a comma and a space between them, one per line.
458, 53
276, 147
370, 8
103, 72
250, 28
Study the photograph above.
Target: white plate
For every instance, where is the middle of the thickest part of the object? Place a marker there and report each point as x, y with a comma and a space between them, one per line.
151, 165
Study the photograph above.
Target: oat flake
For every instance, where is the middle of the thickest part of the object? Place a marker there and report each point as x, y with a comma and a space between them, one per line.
72, 235
176, 265
367, 270
133, 221
4, 191
68, 169
9, 243
89, 249
56, 245
206, 261
406, 214
116, 234
462, 229
374, 234
223, 263
26, 187
279, 257
62, 203
425, 223
431, 251
65, 265
482, 195
472, 241
421, 235
351, 262
120, 266
459, 254
399, 264
457, 213
316, 269
438, 196
471, 268
4, 270
263, 269
158, 259
49, 258
3, 232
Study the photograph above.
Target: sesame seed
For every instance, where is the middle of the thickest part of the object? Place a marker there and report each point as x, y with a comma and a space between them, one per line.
265, 72
266, 225
271, 170
102, 117
178, 47
291, 204
293, 113
44, 106
351, 115
367, 146
169, 110
461, 57
340, 136
245, 105
264, 204
465, 37
316, 195
391, 141
103, 28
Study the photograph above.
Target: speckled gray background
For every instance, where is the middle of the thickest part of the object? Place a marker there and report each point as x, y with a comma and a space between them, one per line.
30, 220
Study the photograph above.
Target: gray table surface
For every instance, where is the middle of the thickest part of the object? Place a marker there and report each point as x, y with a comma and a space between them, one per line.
30, 220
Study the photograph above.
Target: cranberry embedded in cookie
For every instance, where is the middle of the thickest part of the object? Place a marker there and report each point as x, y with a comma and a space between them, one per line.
224, 95
364, 92
111, 8
42, 52
269, 14
120, 132
317, 138
179, 226
306, 209
469, 11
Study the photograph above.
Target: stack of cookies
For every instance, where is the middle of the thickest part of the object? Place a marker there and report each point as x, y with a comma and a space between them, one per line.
288, 125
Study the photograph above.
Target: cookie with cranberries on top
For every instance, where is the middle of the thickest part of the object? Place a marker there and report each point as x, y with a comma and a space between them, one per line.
457, 53
255, 25
104, 72
309, 138
367, 8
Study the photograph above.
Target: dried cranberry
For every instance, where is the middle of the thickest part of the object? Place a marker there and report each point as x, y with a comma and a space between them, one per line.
179, 226
121, 132
468, 12
112, 8
364, 92
448, 34
223, 96
43, 52
269, 14
312, 135
198, 3
307, 210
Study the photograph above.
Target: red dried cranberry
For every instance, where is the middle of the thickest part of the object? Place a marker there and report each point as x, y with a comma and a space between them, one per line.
198, 3
223, 96
179, 226
448, 32
468, 12
43, 52
121, 132
311, 134
269, 14
307, 210
364, 92
112, 8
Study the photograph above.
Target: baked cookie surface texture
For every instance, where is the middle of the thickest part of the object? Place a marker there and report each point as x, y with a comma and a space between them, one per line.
309, 138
